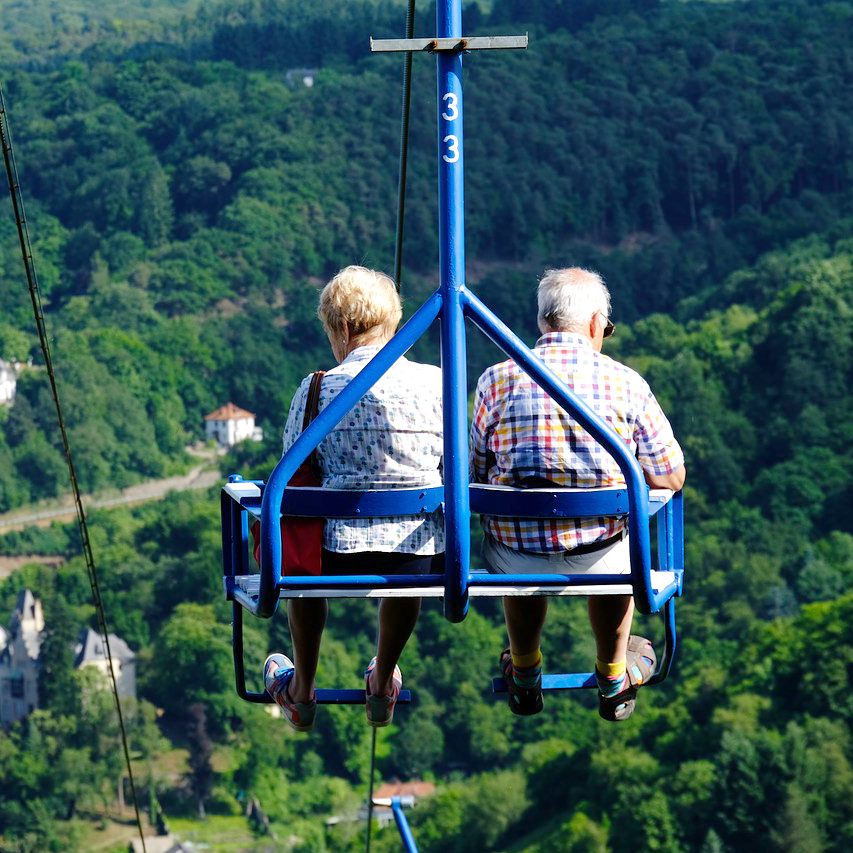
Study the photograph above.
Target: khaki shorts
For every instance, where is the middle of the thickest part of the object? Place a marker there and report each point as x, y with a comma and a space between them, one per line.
615, 559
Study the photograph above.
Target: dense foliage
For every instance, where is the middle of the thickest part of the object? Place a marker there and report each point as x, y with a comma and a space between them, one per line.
185, 201
186, 197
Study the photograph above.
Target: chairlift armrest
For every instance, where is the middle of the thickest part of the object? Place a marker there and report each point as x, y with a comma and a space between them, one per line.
658, 499
548, 502
241, 490
319, 502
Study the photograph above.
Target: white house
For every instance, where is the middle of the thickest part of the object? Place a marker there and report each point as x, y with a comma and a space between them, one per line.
8, 383
230, 424
19, 652
294, 76
90, 651
408, 792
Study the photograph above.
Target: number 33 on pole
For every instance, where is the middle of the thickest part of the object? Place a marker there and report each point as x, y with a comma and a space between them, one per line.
450, 100
451, 140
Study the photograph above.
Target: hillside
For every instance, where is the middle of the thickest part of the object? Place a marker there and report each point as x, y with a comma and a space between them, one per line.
186, 200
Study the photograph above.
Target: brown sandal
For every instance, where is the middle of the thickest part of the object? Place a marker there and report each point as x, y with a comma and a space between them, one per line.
641, 662
523, 701
640, 667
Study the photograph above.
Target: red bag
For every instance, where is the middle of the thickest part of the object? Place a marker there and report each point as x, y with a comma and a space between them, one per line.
301, 538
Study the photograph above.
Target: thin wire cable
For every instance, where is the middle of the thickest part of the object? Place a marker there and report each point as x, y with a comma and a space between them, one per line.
370, 792
35, 297
404, 148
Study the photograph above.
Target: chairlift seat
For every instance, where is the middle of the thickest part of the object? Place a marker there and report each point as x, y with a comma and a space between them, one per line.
242, 499
486, 499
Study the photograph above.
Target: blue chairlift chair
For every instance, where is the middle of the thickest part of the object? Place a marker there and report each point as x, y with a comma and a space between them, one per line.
654, 588
259, 592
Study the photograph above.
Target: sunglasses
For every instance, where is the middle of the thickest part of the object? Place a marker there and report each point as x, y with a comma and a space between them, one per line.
608, 329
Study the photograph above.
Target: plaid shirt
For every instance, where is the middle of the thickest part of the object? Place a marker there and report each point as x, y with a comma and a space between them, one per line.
391, 439
519, 432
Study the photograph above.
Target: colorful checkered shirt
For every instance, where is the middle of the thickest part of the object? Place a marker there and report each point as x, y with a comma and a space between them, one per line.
519, 432
391, 439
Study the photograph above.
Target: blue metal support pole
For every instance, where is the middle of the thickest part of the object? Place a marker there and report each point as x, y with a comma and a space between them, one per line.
448, 14
670, 644
403, 826
678, 538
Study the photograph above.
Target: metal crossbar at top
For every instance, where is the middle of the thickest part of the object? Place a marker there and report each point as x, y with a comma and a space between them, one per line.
451, 304
453, 45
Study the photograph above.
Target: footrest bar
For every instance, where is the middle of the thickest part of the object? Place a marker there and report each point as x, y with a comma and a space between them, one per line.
568, 681
351, 696
329, 696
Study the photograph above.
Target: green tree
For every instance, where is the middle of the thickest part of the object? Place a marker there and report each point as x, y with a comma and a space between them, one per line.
579, 834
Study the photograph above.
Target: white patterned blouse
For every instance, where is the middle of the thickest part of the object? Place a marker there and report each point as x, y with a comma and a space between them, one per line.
391, 438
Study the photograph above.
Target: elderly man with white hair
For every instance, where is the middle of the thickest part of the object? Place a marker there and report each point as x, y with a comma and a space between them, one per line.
520, 437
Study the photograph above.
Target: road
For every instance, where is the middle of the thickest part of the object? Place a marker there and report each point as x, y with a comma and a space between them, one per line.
200, 477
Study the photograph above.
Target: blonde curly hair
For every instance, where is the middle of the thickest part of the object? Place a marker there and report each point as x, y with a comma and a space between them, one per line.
363, 300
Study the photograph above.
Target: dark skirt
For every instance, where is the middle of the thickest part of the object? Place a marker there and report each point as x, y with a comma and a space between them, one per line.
381, 563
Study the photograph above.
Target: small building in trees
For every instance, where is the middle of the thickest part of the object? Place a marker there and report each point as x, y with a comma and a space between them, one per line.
19, 653
416, 789
295, 77
90, 652
8, 383
230, 424
408, 792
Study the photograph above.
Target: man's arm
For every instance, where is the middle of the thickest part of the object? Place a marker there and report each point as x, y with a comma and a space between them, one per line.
657, 448
674, 481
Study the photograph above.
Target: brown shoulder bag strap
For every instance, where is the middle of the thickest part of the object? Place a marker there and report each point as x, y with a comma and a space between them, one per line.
312, 409
312, 403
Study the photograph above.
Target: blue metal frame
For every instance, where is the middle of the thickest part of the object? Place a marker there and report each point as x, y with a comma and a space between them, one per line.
241, 586
403, 826
451, 198
451, 304
325, 696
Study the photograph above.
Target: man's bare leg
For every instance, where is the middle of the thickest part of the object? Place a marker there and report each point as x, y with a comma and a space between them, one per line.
307, 619
525, 618
610, 617
397, 620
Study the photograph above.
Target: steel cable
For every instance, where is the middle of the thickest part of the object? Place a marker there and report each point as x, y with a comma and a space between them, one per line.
35, 297
404, 147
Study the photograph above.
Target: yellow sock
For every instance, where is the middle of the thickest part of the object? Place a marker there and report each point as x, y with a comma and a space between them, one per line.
530, 659
611, 670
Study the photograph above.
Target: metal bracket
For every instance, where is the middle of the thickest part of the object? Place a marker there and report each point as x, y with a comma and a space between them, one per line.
447, 45
228, 581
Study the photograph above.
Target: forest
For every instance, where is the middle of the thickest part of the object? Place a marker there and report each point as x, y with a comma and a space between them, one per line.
187, 196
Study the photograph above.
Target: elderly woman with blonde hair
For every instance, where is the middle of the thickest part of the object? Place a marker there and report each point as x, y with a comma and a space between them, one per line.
391, 438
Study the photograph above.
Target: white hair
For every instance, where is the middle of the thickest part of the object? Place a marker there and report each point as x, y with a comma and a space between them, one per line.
568, 299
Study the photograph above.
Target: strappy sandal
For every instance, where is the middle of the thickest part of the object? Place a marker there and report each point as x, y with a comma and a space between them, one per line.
278, 673
380, 709
640, 667
642, 660
523, 701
